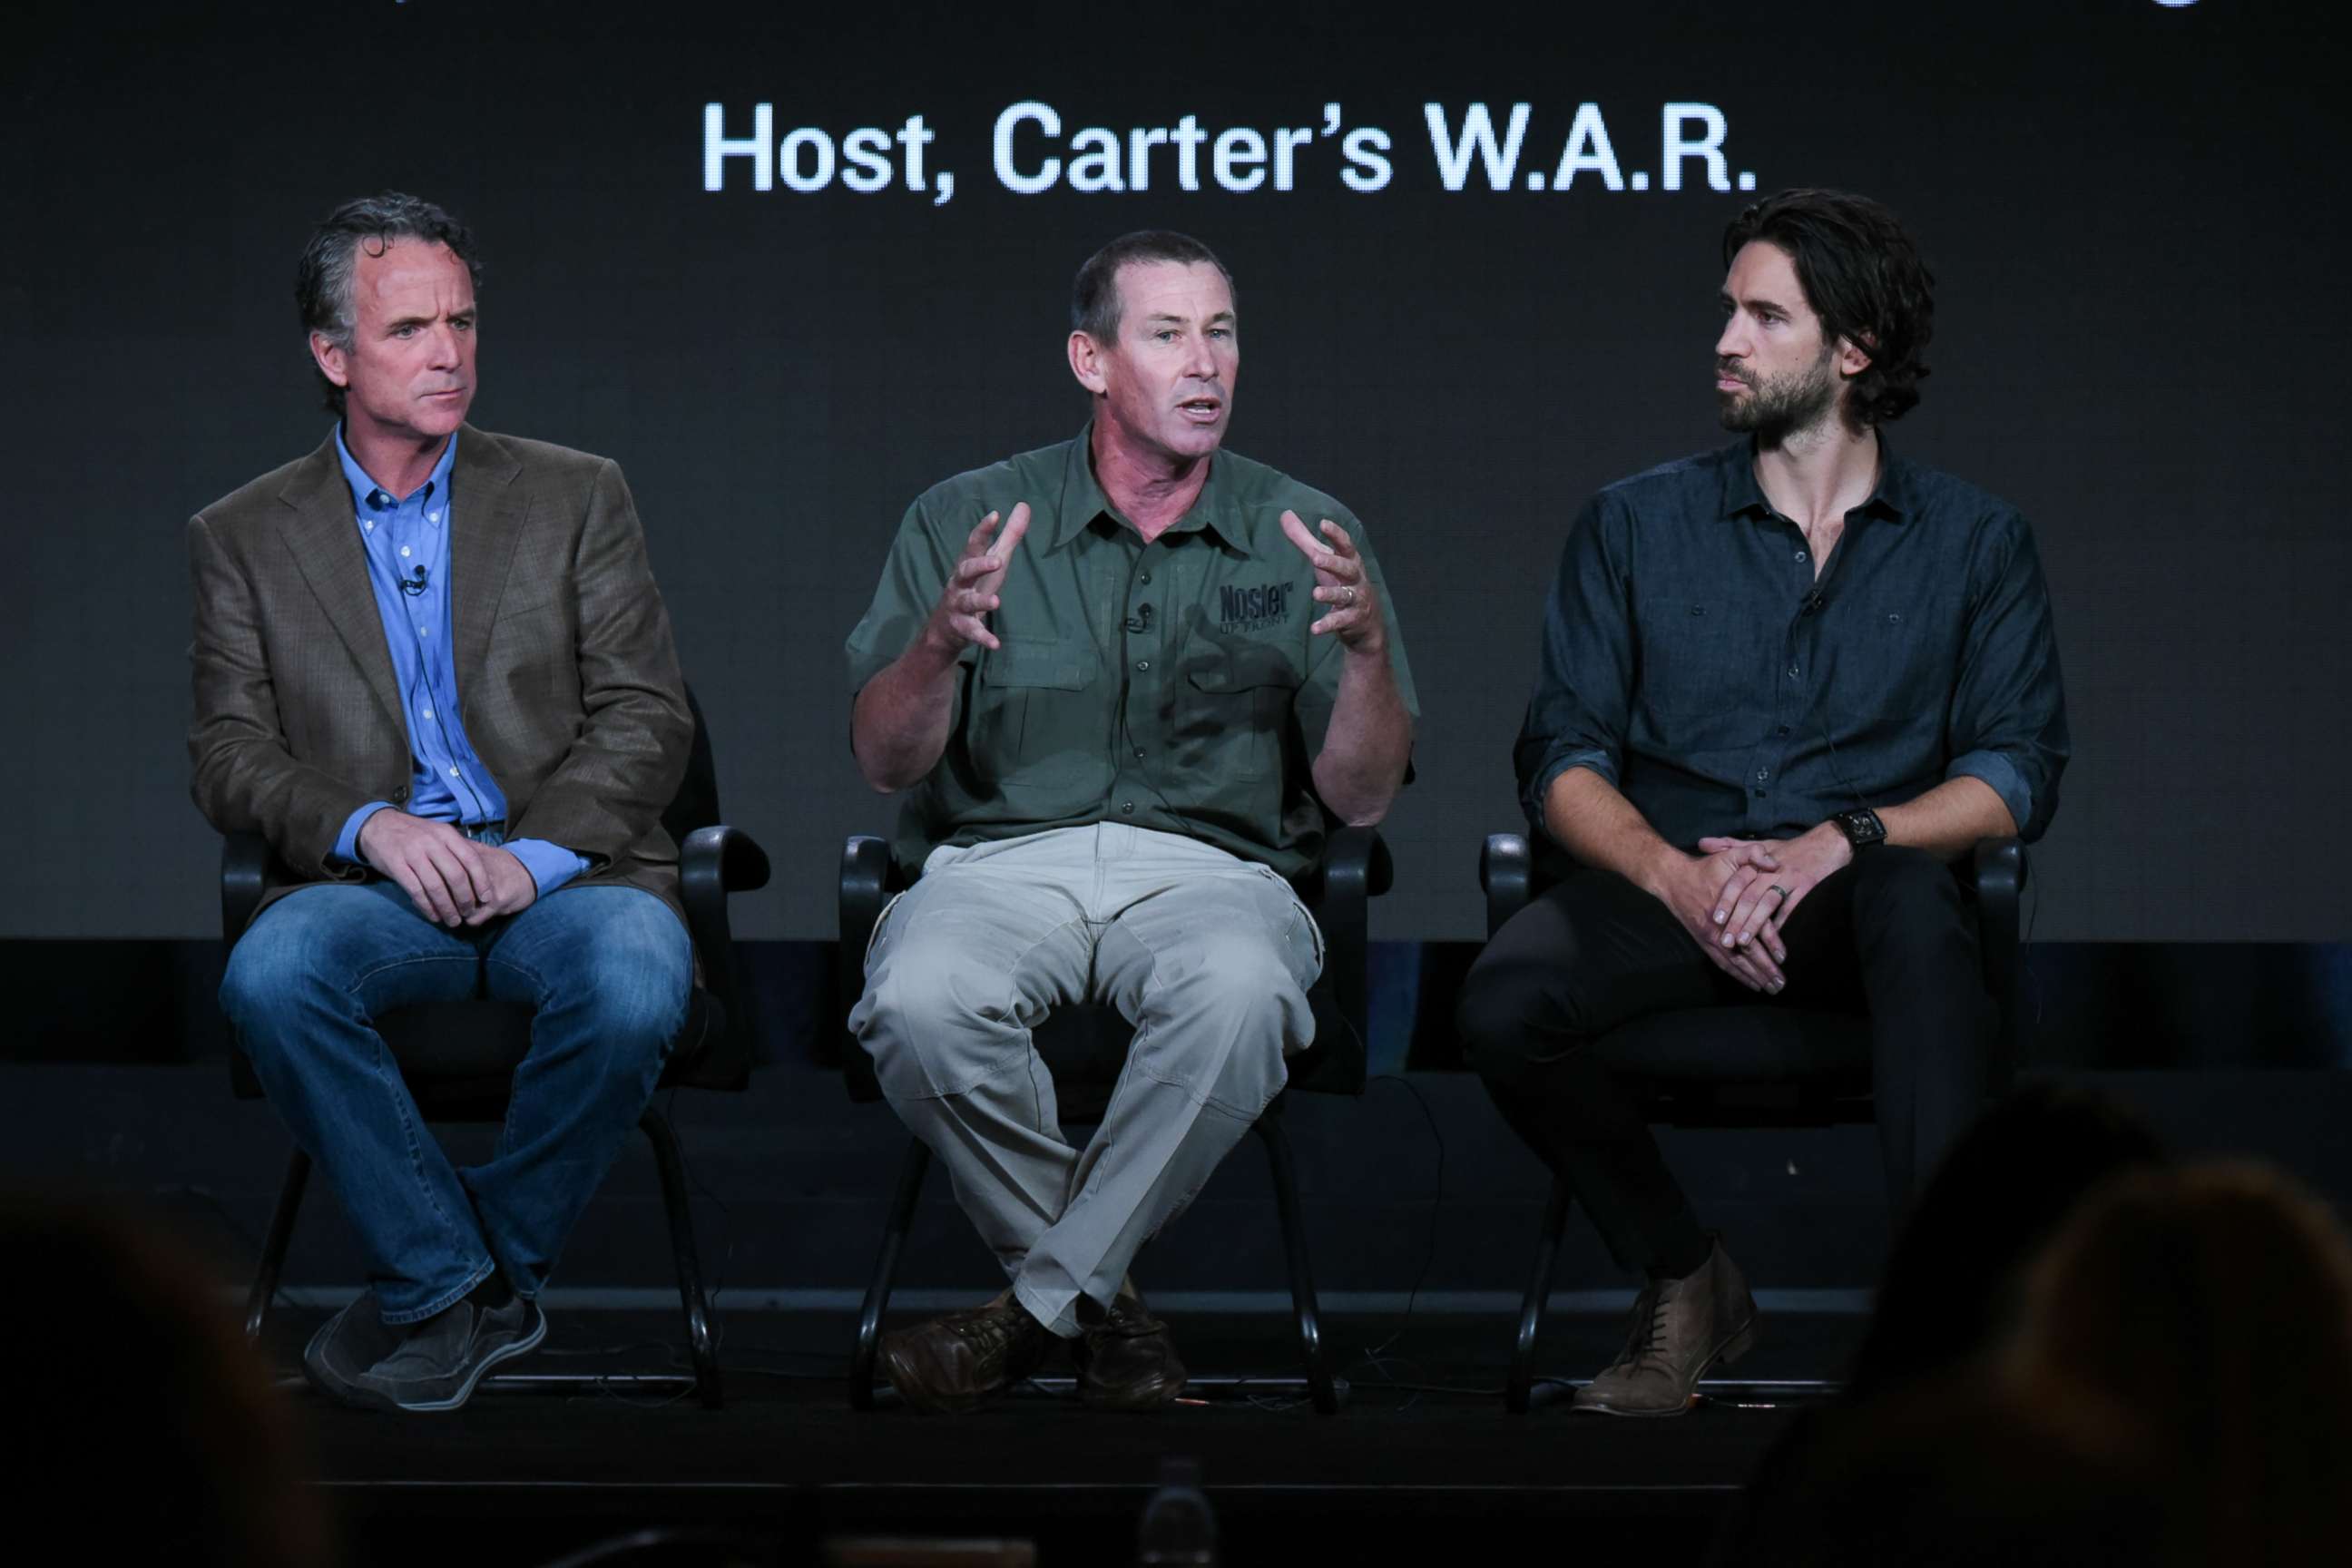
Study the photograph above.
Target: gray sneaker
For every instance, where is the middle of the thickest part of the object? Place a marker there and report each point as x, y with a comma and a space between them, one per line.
438, 1361
340, 1352
1680, 1328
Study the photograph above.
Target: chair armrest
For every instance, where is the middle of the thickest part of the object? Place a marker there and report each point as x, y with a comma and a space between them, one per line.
712, 863
1356, 864
245, 868
865, 889
1505, 875
1356, 868
728, 858
1996, 870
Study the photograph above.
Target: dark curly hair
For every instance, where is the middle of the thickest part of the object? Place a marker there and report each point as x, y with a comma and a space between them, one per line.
1093, 294
323, 278
1863, 278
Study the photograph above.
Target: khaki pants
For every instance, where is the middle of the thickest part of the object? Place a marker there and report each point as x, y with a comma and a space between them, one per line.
1209, 956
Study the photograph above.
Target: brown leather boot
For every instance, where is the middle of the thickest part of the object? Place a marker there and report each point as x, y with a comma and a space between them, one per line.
1126, 1357
1680, 1328
961, 1361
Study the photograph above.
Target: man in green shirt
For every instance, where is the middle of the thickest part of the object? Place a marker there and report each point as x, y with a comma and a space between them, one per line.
1123, 684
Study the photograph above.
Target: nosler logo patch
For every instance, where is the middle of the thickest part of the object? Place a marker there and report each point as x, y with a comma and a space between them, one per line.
1254, 609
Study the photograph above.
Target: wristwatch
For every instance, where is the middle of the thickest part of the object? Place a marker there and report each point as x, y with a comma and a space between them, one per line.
1861, 827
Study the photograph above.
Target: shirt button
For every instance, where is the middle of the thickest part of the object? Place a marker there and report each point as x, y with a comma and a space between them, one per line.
404, 550
1793, 672
1138, 751
453, 773
367, 524
1763, 774
1801, 555
1143, 664
428, 712
424, 632
1126, 809
1784, 729
1143, 577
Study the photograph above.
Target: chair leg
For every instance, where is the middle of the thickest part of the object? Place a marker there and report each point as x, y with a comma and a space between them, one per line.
700, 1339
1515, 1391
273, 1251
911, 1171
1302, 1281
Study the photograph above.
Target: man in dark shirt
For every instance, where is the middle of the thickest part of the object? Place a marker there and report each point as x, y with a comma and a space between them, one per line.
1781, 685
1119, 723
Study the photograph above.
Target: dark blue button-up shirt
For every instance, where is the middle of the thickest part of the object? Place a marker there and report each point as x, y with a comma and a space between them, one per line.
1691, 657
407, 543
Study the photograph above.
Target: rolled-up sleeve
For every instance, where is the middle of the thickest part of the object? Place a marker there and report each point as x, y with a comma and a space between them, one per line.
2008, 722
912, 580
1584, 678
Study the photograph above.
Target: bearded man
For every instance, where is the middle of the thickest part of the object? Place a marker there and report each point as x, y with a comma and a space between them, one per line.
1782, 686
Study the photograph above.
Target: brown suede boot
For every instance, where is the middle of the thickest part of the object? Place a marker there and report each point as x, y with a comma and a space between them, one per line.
960, 1362
1680, 1328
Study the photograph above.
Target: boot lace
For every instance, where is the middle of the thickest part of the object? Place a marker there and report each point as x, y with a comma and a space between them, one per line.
1646, 1334
991, 1333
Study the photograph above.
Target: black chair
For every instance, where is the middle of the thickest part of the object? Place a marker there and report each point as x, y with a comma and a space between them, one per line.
458, 1057
1086, 1046
1750, 1066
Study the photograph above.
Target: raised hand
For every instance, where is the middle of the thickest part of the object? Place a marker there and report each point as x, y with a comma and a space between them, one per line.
961, 618
1340, 582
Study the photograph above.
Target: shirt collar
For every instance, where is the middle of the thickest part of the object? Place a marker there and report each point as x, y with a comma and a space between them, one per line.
364, 488
1897, 496
1082, 500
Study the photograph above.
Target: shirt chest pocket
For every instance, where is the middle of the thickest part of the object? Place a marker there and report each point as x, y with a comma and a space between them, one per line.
1036, 718
1231, 710
1889, 662
1703, 660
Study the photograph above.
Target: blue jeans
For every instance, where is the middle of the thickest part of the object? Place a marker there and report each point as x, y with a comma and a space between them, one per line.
609, 970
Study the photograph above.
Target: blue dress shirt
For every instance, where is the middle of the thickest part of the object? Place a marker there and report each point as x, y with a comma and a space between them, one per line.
407, 545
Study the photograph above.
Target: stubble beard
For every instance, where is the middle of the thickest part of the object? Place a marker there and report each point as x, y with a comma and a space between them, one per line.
1778, 406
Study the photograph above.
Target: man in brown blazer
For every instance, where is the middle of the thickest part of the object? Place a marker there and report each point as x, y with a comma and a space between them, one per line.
432, 669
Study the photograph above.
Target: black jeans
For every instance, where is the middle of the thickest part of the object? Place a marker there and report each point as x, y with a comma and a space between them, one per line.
1890, 936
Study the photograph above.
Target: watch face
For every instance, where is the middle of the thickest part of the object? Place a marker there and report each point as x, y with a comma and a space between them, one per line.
1862, 826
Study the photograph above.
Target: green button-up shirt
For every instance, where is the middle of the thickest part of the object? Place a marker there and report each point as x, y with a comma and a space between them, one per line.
1172, 685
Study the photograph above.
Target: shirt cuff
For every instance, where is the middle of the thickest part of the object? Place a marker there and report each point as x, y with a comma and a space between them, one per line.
2004, 779
550, 865
347, 842
1540, 787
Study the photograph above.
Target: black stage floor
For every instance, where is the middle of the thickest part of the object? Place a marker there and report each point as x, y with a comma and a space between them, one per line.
1422, 1462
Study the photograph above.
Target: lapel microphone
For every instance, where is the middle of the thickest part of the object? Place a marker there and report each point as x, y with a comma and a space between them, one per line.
411, 586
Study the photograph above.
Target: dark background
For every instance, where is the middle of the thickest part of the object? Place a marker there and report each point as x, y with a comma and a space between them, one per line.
2134, 212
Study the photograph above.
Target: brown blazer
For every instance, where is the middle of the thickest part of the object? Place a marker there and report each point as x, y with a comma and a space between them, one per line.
566, 678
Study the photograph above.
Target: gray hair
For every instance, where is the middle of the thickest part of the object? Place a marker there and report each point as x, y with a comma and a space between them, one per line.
322, 279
